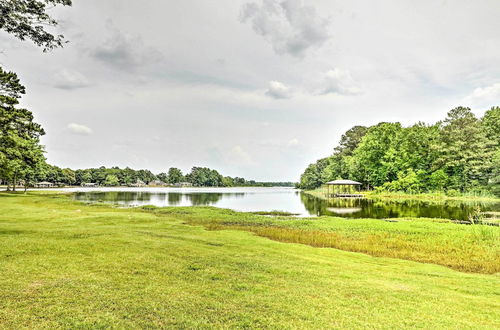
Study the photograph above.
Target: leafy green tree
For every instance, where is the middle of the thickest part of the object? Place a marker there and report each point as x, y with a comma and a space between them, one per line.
491, 125
163, 177
374, 159
462, 150
350, 140
20, 147
239, 181
86, 177
174, 176
204, 177
494, 182
227, 181
146, 176
313, 175
29, 19
407, 181
69, 176
438, 180
111, 180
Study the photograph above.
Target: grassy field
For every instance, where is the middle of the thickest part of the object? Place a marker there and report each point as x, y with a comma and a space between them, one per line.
69, 265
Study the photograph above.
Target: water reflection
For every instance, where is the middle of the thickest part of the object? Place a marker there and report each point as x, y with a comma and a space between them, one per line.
155, 198
288, 200
381, 209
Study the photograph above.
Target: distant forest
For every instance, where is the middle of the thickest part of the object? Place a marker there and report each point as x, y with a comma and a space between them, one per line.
459, 154
115, 176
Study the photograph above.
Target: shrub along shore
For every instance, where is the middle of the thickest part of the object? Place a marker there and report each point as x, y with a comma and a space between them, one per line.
66, 264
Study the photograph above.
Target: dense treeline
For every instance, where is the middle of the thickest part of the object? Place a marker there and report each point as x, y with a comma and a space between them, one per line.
115, 176
458, 154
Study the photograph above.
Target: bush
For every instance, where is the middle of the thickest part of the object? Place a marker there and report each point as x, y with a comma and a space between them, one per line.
452, 193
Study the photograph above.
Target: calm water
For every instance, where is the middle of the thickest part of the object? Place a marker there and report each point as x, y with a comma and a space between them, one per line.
282, 199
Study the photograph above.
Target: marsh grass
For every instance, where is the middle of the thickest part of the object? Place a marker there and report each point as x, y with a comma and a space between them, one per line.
465, 248
276, 213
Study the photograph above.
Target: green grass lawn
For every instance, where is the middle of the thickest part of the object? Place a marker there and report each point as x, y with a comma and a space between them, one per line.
70, 265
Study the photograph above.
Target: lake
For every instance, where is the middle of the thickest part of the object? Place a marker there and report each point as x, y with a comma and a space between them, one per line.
252, 199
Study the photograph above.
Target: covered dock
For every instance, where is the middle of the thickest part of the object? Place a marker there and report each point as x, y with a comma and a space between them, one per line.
343, 188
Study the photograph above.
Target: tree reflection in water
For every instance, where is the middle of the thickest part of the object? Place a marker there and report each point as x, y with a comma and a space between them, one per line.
295, 202
380, 209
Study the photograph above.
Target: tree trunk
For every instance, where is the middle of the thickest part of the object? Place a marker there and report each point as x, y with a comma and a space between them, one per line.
14, 183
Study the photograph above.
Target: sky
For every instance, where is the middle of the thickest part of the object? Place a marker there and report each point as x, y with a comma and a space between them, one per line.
253, 88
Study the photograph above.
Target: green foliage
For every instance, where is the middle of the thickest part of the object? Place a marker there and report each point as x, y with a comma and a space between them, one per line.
491, 125
438, 180
313, 175
462, 150
407, 182
20, 150
204, 177
111, 180
174, 176
375, 157
29, 19
459, 153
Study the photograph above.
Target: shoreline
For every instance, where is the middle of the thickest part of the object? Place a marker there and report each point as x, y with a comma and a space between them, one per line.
319, 193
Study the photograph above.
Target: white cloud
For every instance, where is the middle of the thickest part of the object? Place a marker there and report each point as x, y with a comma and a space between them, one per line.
79, 129
278, 90
239, 156
484, 96
339, 81
125, 51
70, 79
293, 142
291, 27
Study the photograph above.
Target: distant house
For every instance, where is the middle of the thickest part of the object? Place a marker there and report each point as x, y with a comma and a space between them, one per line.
90, 184
183, 184
139, 183
44, 184
156, 183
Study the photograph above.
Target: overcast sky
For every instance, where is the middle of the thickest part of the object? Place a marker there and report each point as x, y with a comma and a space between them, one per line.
252, 88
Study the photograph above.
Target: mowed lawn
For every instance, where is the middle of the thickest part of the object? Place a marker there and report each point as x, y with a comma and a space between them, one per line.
69, 265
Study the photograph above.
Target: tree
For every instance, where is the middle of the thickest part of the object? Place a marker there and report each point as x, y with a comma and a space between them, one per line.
204, 177
28, 19
20, 147
111, 180
462, 150
313, 175
174, 176
350, 140
494, 182
373, 160
491, 125
87, 177
438, 180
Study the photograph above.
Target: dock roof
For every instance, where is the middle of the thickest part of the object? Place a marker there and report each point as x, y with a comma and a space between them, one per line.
343, 182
